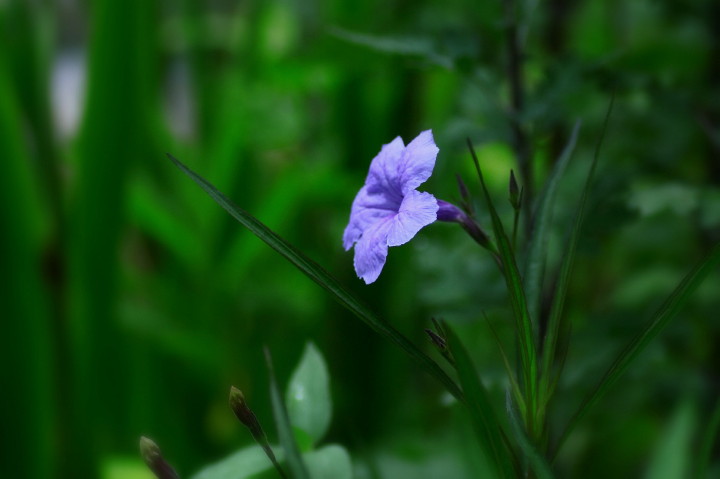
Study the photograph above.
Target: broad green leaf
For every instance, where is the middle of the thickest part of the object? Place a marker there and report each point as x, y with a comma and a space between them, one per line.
537, 249
242, 464
329, 462
482, 414
674, 454
308, 395
285, 433
513, 280
316, 273
660, 320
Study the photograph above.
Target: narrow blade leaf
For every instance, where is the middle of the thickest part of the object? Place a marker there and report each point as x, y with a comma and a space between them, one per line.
482, 415
285, 433
316, 273
535, 459
660, 320
537, 250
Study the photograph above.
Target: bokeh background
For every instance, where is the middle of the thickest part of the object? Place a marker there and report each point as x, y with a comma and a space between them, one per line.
130, 302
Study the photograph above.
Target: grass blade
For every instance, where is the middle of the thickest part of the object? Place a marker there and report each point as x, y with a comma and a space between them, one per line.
285, 433
316, 273
537, 248
536, 460
660, 320
556, 311
484, 419
519, 304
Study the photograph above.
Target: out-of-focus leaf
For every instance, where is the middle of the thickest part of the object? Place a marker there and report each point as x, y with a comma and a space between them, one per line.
242, 464
315, 272
329, 462
652, 199
308, 395
674, 454
709, 438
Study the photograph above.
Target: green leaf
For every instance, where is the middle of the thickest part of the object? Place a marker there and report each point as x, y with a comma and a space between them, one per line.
482, 414
242, 464
282, 421
674, 453
554, 326
660, 320
316, 273
537, 250
523, 323
330, 462
706, 446
535, 459
308, 395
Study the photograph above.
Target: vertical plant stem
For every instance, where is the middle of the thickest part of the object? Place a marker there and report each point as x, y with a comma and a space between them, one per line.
520, 139
114, 134
26, 403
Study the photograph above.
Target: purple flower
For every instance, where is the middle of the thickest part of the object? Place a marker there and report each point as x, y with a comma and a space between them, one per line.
388, 210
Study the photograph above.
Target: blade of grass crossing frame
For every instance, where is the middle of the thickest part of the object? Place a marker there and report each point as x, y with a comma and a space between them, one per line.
517, 299
282, 420
537, 248
660, 320
482, 415
556, 311
316, 273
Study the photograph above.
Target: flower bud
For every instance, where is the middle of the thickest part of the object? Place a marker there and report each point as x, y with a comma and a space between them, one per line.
451, 213
515, 192
155, 462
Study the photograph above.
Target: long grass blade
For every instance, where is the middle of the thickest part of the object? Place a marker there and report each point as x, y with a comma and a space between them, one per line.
660, 320
556, 311
537, 249
517, 298
316, 273
482, 415
711, 434
285, 433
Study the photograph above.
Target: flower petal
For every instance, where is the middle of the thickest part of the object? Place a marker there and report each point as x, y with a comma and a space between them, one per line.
416, 211
368, 209
371, 251
418, 161
384, 174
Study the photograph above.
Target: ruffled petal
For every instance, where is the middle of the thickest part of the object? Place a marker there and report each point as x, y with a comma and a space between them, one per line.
368, 209
384, 175
416, 211
417, 162
371, 251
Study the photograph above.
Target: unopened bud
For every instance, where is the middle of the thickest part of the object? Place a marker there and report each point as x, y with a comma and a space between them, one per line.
244, 413
515, 192
451, 213
155, 461
464, 194
437, 340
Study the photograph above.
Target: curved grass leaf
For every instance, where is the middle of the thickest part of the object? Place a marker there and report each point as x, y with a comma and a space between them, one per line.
537, 249
482, 415
285, 433
517, 298
660, 320
316, 273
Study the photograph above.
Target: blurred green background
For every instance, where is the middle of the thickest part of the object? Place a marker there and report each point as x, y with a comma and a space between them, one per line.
130, 302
